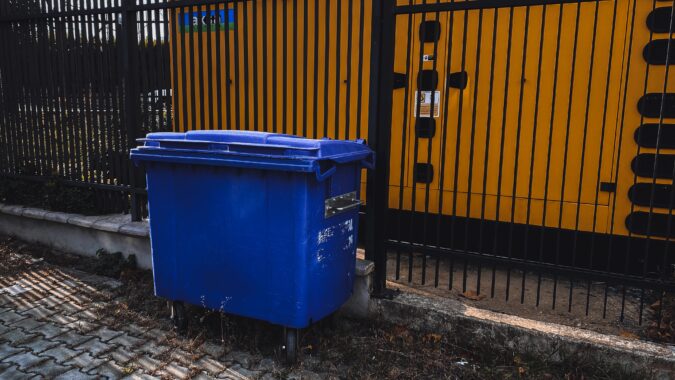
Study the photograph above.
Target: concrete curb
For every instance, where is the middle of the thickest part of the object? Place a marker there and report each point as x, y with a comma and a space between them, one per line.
117, 223
549, 341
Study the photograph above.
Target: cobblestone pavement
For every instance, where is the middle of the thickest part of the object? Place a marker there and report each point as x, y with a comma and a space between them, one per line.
50, 327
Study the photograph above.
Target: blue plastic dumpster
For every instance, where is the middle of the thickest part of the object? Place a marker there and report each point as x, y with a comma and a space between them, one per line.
255, 224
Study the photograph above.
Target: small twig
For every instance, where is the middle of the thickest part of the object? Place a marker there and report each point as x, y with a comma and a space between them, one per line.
394, 352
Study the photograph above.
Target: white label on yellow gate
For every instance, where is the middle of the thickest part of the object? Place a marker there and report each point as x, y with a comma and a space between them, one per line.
424, 102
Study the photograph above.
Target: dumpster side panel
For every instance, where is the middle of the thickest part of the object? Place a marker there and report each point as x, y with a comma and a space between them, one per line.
230, 241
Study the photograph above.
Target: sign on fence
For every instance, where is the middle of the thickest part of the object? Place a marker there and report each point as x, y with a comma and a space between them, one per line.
203, 21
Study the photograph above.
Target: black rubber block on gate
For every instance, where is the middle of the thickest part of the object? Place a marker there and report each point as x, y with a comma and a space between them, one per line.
650, 105
658, 20
424, 173
430, 31
660, 196
427, 80
425, 127
643, 165
647, 134
660, 225
655, 52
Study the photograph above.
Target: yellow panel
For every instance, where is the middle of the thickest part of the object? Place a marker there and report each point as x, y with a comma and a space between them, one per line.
303, 93
556, 144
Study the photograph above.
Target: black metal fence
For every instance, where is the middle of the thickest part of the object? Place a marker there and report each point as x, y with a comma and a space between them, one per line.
81, 80
521, 181
504, 130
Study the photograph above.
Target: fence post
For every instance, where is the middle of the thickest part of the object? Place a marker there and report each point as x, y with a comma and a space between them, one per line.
379, 136
131, 93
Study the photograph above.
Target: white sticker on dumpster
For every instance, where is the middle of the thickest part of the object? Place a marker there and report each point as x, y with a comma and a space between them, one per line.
423, 100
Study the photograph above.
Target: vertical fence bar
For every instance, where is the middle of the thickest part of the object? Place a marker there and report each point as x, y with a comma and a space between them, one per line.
379, 135
131, 92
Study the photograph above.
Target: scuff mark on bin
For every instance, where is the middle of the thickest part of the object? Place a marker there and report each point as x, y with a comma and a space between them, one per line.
320, 255
325, 234
349, 244
347, 225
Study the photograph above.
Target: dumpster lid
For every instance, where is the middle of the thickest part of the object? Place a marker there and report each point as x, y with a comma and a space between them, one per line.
250, 149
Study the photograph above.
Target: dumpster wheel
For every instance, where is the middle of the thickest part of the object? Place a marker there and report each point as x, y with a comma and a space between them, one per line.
179, 316
291, 345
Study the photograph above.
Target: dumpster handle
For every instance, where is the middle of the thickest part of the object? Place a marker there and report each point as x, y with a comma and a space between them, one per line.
369, 162
322, 175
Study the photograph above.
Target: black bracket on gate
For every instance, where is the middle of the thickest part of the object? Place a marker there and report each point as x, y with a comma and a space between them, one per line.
430, 31
458, 80
400, 80
427, 80
609, 187
424, 173
425, 127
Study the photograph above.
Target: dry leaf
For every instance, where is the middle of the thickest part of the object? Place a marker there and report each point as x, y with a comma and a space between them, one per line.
470, 294
432, 338
628, 335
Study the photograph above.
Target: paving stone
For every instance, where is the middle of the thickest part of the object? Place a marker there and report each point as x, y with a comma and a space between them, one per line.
111, 370
13, 372
7, 350
127, 341
25, 360
136, 330
17, 336
244, 372
72, 338
121, 355
95, 347
68, 308
11, 316
28, 324
83, 326
38, 344
50, 330
152, 348
147, 363
85, 362
50, 369
210, 365
39, 312
51, 301
240, 357
105, 334
139, 375
174, 371
156, 334
75, 374
301, 374
88, 314
202, 376
269, 376
266, 365
6, 299
61, 353
184, 357
62, 319
213, 349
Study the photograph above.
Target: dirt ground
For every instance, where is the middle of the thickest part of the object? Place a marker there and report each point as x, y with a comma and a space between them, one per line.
611, 309
342, 347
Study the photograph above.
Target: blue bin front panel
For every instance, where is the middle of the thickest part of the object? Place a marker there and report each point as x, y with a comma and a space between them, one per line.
252, 242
